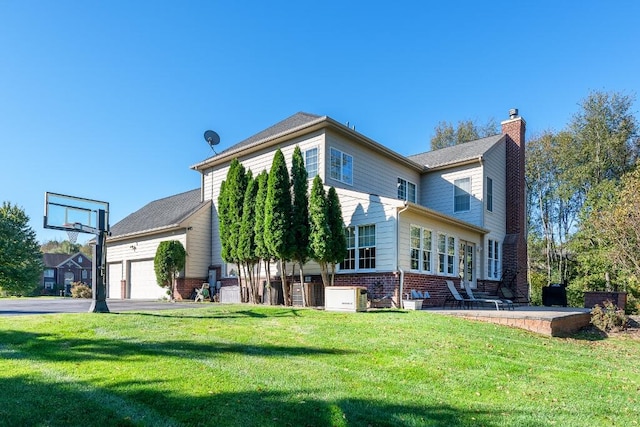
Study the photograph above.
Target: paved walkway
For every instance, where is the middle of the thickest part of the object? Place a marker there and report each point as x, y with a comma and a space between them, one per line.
30, 306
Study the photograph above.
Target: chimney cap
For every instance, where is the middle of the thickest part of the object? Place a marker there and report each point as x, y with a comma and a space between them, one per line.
513, 113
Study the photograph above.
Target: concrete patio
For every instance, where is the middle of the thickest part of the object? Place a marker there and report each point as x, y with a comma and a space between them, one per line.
550, 321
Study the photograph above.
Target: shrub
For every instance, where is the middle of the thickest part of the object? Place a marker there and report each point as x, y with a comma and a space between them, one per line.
80, 290
609, 318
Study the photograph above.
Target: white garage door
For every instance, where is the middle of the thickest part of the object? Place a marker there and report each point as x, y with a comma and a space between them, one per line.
114, 276
143, 281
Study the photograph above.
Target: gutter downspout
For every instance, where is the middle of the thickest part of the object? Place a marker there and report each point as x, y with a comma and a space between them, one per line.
406, 206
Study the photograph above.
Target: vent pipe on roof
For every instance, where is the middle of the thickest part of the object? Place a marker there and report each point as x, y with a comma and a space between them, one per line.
513, 113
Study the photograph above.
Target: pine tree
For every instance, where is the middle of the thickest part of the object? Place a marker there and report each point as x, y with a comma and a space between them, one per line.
338, 241
300, 215
258, 226
246, 242
277, 224
319, 231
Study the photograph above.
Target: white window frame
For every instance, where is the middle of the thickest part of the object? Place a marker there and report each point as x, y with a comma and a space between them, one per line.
493, 259
312, 168
489, 194
446, 255
344, 171
460, 194
422, 253
407, 190
358, 244
49, 273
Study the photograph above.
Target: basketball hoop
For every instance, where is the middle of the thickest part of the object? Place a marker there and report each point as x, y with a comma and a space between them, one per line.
73, 234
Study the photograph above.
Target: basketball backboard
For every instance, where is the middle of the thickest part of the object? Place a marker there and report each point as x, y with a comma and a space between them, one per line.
69, 213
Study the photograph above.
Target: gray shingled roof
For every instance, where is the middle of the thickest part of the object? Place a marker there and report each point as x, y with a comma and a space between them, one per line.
456, 154
161, 213
285, 126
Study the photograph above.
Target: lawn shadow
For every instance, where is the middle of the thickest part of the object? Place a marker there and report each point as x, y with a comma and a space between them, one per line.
196, 314
50, 347
37, 400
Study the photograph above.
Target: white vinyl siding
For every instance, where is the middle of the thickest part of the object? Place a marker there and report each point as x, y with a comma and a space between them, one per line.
373, 172
437, 192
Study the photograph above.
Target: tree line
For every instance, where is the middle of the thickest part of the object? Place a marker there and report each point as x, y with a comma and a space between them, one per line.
273, 217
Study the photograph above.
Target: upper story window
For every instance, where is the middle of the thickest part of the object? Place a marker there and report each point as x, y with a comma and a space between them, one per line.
406, 190
311, 162
489, 194
49, 272
341, 166
462, 195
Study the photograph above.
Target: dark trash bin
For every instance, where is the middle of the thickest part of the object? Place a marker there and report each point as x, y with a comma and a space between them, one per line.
555, 294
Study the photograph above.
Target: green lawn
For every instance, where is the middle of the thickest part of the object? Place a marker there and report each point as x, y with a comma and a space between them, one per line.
267, 366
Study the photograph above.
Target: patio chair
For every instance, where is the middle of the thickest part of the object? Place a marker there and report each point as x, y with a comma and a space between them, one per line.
507, 293
455, 298
498, 302
202, 293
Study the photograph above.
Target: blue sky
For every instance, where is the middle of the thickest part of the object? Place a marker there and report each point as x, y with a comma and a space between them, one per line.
109, 100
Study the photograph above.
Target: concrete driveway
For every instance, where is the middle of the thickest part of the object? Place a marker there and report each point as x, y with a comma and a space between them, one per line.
30, 306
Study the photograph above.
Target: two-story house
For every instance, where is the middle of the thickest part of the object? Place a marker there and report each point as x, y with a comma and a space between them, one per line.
61, 270
411, 221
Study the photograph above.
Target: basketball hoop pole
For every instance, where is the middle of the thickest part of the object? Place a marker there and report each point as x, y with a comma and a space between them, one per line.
99, 299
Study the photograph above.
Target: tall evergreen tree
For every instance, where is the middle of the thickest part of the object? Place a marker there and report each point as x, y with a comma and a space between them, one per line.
231, 201
20, 256
300, 215
277, 221
319, 230
262, 251
338, 241
246, 242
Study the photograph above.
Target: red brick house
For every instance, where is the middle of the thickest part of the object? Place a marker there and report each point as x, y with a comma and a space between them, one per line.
61, 270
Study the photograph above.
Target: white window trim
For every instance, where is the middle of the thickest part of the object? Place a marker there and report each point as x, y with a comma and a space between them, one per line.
454, 194
406, 182
495, 262
357, 248
304, 158
421, 250
446, 253
342, 156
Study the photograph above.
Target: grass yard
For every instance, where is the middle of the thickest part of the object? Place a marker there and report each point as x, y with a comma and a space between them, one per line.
272, 366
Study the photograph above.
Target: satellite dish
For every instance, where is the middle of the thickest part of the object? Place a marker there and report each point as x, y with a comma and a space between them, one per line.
212, 138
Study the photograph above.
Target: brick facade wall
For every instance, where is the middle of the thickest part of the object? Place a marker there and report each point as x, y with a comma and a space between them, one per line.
514, 251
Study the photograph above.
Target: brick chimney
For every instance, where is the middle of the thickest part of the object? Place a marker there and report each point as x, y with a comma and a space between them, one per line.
514, 250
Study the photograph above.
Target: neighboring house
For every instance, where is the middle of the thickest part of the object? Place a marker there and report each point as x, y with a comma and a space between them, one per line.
61, 270
411, 221
132, 246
